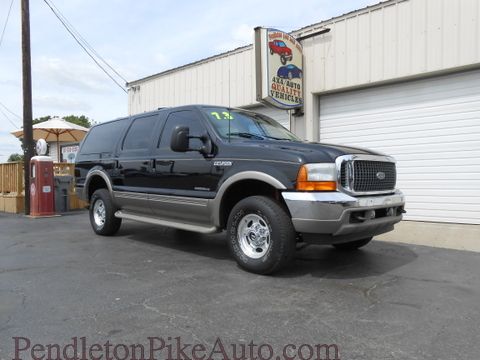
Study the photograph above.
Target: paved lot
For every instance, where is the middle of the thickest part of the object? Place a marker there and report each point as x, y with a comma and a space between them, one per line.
389, 301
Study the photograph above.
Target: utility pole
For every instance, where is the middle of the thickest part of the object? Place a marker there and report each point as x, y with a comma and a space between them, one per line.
27, 101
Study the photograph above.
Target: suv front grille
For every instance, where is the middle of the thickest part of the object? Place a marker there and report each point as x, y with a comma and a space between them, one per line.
368, 176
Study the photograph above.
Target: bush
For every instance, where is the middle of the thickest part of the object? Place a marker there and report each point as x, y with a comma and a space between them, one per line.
15, 157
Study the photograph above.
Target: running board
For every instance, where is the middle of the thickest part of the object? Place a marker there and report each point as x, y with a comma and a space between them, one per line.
173, 224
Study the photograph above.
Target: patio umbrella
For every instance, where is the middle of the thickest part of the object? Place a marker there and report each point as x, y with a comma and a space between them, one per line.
56, 129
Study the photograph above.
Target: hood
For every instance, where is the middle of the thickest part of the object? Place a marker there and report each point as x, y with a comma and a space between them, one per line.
305, 152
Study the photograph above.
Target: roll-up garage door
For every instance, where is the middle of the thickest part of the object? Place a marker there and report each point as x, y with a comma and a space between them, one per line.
277, 114
431, 127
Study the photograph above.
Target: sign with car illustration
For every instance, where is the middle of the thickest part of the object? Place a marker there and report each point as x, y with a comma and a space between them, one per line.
279, 68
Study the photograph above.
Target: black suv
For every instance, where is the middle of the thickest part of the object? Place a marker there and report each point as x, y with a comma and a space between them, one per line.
209, 168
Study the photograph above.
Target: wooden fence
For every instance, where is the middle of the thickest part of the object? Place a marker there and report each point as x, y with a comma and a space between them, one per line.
12, 187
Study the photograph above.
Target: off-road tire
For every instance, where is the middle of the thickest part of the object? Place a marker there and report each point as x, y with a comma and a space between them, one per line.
282, 237
111, 223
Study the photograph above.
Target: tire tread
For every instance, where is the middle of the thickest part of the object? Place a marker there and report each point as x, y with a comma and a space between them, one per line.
112, 223
281, 223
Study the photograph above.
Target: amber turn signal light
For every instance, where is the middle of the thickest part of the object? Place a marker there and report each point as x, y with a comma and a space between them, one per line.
304, 184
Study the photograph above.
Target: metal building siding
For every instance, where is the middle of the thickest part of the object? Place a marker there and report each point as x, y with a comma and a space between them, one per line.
281, 116
220, 81
432, 128
394, 40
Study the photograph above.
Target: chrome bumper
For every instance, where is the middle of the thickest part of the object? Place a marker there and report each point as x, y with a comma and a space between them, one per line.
341, 217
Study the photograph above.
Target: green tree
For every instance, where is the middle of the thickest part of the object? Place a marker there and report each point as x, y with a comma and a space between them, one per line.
81, 120
15, 157
41, 119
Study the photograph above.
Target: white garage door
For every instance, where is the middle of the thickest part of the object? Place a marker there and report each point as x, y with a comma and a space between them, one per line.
432, 128
277, 114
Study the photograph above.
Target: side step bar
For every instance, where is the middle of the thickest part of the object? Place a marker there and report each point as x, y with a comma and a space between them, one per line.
169, 223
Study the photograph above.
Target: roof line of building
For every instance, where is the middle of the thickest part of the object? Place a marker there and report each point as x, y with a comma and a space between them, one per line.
205, 60
302, 31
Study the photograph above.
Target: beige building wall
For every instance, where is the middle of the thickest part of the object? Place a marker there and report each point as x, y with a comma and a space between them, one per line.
227, 79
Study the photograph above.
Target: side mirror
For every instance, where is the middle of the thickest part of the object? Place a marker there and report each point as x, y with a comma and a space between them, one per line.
180, 140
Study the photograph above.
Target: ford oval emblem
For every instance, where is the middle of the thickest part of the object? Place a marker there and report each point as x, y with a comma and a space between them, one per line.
380, 175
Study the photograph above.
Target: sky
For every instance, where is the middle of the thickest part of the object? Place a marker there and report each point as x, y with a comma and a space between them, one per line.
138, 38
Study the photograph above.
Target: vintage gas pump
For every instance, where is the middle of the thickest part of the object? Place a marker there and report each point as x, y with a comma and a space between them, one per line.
42, 201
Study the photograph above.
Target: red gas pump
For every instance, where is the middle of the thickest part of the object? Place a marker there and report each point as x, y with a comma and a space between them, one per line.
42, 201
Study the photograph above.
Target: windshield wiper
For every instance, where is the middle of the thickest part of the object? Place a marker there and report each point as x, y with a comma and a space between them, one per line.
276, 138
256, 136
247, 135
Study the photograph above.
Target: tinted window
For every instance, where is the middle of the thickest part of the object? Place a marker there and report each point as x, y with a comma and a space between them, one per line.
140, 134
184, 118
103, 138
235, 123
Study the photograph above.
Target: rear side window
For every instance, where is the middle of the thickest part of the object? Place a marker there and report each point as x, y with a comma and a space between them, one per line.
140, 134
103, 138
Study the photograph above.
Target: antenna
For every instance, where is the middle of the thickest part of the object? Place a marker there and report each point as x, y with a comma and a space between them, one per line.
229, 86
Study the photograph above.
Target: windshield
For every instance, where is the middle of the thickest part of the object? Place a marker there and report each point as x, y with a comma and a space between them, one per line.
236, 123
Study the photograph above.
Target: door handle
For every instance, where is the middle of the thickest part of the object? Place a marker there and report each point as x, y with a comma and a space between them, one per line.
163, 164
149, 164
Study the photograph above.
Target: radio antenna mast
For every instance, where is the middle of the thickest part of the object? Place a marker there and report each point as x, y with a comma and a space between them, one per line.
229, 85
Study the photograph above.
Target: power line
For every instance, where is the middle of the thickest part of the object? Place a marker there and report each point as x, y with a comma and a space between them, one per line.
6, 22
83, 46
9, 120
59, 17
10, 111
85, 42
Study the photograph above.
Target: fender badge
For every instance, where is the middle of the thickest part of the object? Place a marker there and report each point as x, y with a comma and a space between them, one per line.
222, 163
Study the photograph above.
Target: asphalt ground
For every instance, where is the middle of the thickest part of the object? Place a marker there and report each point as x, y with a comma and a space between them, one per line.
58, 281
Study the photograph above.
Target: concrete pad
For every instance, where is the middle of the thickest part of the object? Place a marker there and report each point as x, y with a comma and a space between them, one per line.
442, 235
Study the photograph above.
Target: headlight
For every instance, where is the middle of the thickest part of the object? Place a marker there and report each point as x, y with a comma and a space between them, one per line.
317, 177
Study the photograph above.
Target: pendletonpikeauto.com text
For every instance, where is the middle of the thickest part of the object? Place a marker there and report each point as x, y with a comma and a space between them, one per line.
158, 348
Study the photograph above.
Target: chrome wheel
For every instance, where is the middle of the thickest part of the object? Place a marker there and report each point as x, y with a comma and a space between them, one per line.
254, 236
99, 213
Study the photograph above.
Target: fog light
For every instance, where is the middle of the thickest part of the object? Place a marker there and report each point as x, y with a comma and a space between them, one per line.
370, 214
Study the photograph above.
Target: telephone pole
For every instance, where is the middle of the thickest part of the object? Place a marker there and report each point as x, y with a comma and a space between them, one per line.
27, 101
